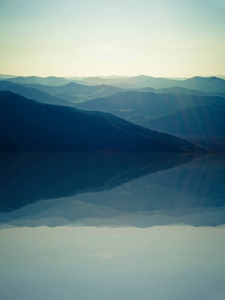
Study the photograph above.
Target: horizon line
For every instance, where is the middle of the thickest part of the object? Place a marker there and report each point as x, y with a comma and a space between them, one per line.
113, 76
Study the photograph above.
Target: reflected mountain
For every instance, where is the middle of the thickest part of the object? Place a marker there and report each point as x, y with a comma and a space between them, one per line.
112, 190
30, 177
77, 211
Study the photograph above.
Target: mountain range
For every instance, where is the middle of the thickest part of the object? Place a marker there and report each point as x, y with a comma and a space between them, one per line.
190, 108
211, 84
26, 125
73, 91
51, 80
204, 84
65, 95
141, 81
181, 115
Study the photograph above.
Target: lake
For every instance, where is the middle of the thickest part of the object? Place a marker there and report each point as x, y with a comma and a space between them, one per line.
112, 226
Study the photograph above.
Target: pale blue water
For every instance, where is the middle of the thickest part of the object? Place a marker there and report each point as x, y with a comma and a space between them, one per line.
96, 226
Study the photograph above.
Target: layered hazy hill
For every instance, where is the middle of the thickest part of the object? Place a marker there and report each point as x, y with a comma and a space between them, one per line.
121, 82
190, 108
132, 82
51, 80
132, 103
66, 95
198, 122
211, 84
74, 90
33, 93
205, 84
84, 92
172, 90
26, 125
182, 115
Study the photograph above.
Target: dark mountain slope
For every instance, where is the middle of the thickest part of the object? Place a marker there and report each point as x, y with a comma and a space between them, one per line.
26, 125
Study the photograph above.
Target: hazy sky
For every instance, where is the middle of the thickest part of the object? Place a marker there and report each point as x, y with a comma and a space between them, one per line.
171, 38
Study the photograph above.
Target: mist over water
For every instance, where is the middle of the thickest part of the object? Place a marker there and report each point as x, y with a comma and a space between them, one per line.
178, 262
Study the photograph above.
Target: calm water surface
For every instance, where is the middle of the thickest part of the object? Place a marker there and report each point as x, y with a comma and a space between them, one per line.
115, 226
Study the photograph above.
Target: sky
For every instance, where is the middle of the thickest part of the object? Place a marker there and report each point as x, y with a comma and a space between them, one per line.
161, 38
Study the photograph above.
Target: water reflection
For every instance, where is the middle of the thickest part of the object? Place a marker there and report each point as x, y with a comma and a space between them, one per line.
27, 178
101, 240
137, 190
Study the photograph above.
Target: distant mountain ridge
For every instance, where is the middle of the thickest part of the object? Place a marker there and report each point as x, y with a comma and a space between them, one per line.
51, 80
212, 84
72, 92
73, 89
204, 84
140, 81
